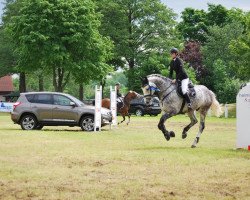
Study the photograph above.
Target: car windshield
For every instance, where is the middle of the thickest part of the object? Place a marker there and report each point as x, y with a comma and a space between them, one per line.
76, 100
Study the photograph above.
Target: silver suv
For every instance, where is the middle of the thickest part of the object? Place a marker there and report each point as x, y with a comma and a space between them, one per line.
37, 109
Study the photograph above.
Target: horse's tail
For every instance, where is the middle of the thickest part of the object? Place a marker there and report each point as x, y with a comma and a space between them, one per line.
216, 108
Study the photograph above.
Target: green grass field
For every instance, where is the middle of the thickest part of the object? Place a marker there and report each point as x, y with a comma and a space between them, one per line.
128, 162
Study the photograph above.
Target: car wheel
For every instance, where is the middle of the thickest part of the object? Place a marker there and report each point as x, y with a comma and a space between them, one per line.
139, 112
87, 123
28, 122
39, 127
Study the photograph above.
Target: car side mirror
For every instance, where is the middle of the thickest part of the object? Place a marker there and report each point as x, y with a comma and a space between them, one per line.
72, 103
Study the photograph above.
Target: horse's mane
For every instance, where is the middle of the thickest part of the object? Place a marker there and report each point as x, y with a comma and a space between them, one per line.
159, 76
130, 91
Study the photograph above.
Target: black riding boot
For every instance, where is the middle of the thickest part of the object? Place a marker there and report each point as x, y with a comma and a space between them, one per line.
187, 99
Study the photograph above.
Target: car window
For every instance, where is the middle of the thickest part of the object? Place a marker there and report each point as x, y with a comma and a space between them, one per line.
30, 97
62, 100
80, 103
39, 98
43, 98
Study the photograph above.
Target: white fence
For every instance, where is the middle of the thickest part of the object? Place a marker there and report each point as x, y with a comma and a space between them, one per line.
98, 106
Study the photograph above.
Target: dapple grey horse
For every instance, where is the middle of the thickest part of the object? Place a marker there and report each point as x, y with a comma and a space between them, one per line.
172, 103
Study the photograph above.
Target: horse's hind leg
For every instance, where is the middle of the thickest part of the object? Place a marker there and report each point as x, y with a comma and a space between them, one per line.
193, 122
203, 113
128, 119
162, 127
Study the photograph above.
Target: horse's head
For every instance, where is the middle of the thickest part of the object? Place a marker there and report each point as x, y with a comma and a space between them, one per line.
132, 95
149, 89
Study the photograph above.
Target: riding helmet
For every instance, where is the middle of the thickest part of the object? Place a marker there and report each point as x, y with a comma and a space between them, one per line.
174, 50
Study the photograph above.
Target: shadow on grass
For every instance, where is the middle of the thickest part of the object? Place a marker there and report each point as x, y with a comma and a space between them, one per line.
49, 130
10, 129
68, 130
230, 152
161, 148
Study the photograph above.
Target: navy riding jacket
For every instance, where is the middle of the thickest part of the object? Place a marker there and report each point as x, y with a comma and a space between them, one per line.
177, 66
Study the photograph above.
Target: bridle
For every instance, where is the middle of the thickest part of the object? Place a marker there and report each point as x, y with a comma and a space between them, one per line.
153, 88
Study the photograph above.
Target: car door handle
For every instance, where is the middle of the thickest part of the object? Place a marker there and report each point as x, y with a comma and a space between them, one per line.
34, 107
55, 108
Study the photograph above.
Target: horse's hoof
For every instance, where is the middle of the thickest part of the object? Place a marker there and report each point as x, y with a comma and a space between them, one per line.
172, 134
167, 136
184, 135
193, 146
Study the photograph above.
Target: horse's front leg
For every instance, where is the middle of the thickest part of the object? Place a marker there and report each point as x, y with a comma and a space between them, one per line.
128, 118
162, 127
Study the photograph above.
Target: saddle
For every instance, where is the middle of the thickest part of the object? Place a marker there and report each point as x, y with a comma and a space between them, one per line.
191, 90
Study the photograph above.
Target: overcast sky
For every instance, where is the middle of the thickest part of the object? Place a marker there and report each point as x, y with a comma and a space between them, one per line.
179, 5
1, 7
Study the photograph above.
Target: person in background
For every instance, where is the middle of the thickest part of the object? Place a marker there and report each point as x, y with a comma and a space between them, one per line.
118, 86
119, 95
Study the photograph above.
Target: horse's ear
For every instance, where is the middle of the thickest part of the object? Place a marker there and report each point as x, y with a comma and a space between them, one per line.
144, 81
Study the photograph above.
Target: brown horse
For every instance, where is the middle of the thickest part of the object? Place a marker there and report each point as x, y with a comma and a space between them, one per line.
125, 107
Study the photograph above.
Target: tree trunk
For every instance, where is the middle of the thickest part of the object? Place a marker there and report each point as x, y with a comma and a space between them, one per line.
59, 80
22, 82
131, 61
60, 74
41, 86
103, 83
81, 92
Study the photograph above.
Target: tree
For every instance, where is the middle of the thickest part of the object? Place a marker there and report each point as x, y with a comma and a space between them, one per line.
195, 23
217, 46
225, 86
154, 64
112, 79
193, 56
60, 37
240, 49
137, 27
7, 56
217, 15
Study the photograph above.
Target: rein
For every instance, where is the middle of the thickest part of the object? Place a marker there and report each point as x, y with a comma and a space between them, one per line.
150, 95
167, 93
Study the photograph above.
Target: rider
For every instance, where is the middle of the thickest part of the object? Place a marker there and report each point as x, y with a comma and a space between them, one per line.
118, 85
118, 95
177, 65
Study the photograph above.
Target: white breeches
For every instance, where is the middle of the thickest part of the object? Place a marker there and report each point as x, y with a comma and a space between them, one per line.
184, 85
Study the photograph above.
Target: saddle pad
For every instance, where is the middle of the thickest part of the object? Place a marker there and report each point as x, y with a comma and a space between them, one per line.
191, 90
